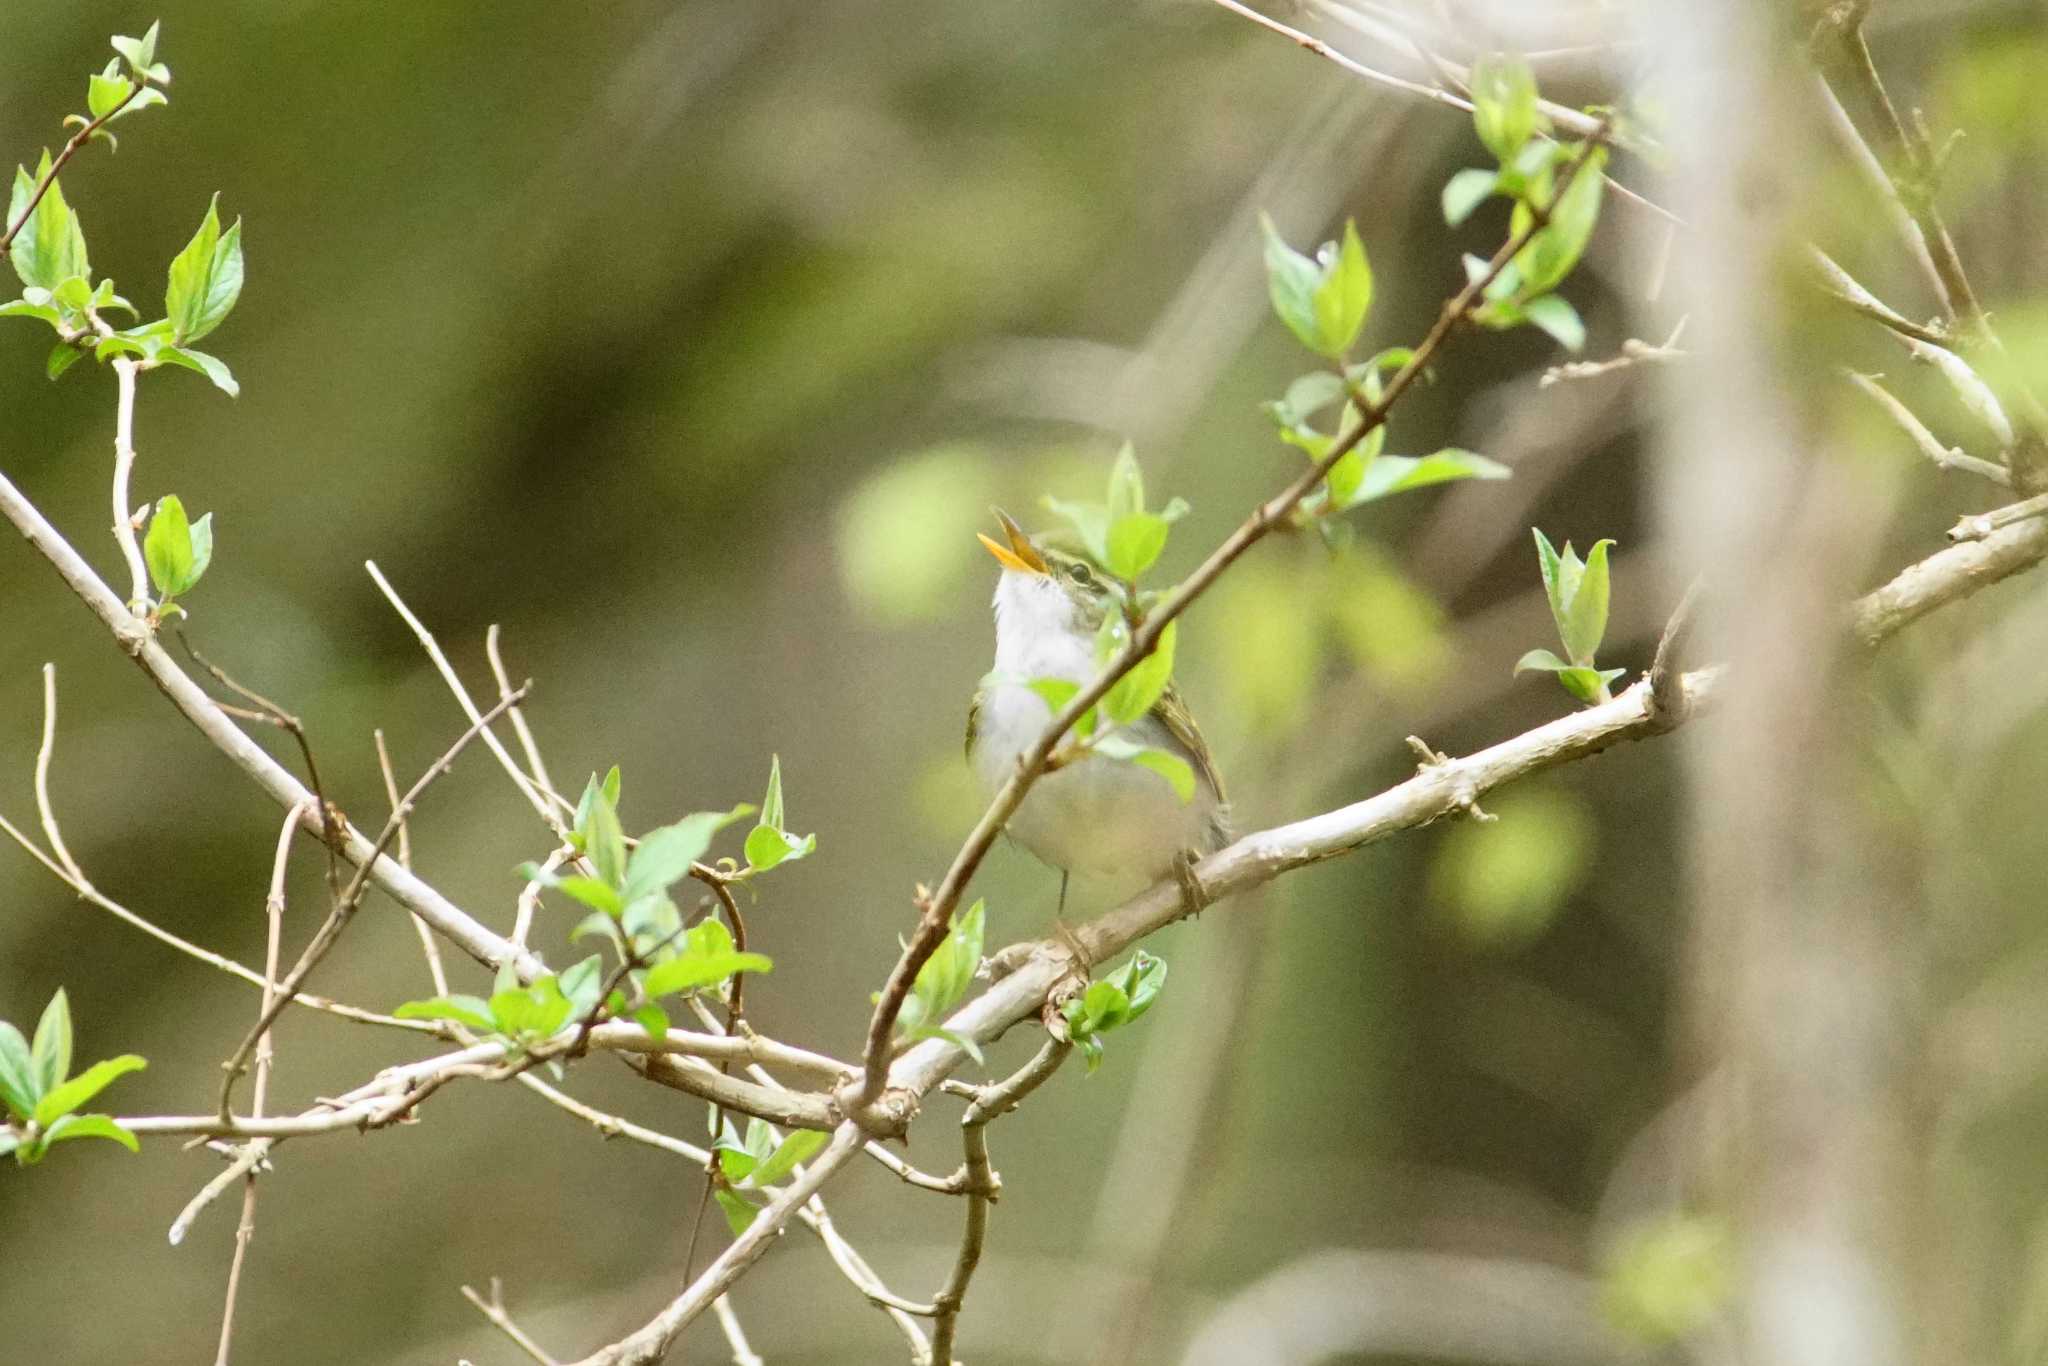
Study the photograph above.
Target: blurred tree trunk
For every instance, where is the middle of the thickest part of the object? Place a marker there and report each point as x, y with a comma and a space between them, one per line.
1803, 956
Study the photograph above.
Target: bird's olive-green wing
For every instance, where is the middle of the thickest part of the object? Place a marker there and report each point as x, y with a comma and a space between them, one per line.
1171, 711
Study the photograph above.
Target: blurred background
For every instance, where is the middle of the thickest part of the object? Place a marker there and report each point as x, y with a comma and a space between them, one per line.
691, 343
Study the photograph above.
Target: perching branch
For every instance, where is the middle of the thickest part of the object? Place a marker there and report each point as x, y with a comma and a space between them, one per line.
937, 911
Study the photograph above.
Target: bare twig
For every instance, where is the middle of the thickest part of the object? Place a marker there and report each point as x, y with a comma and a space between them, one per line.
352, 897
520, 780
245, 1231
1634, 352
1946, 457
494, 1310
64, 155
535, 766
1980, 525
983, 1186
1667, 692
135, 638
44, 753
936, 913
429, 950
124, 466
1970, 388
735, 1336
269, 712
1844, 287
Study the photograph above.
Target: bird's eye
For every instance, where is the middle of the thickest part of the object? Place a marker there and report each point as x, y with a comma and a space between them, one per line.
1080, 573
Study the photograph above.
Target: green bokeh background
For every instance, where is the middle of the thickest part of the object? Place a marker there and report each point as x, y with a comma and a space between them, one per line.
690, 344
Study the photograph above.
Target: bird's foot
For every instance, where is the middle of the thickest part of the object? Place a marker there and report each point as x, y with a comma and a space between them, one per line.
1083, 961
1193, 895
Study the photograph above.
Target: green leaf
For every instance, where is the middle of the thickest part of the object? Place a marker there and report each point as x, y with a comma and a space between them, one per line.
768, 844
104, 92
205, 278
533, 1012
1134, 694
1344, 296
1587, 684
1291, 281
665, 855
1585, 620
1090, 522
90, 1126
1056, 692
19, 1080
796, 1148
50, 246
1555, 315
1466, 191
1503, 104
139, 52
213, 367
581, 984
1543, 660
1126, 486
172, 550
603, 840
1552, 252
1551, 564
1391, 474
1171, 767
654, 1020
62, 357
739, 1214
693, 971
474, 1012
597, 922
943, 981
51, 1053
83, 1087
1134, 543
1142, 979
23, 308
598, 895
1306, 396
771, 804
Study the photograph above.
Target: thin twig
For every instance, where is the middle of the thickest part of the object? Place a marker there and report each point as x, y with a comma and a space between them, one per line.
1844, 287
339, 916
44, 753
57, 163
1945, 457
1667, 691
529, 895
136, 640
269, 712
439, 659
983, 1186
1977, 526
936, 914
245, 1231
431, 951
124, 466
1634, 351
735, 1336
494, 1310
535, 766
1970, 388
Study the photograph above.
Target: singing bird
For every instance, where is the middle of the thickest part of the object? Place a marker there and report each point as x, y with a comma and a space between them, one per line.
1099, 818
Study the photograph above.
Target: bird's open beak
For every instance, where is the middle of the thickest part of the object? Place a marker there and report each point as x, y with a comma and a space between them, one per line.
1019, 554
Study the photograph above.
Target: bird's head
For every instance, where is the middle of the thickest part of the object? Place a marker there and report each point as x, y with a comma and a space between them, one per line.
1044, 589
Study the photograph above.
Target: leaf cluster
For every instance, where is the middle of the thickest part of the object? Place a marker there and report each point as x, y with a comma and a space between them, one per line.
1510, 122
942, 983
748, 1166
1117, 1000
42, 1096
1578, 594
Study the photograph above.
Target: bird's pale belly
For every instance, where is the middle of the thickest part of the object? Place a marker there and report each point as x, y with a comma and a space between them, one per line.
1097, 816
1101, 816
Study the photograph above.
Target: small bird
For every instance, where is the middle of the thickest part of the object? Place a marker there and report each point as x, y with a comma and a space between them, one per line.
1096, 817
